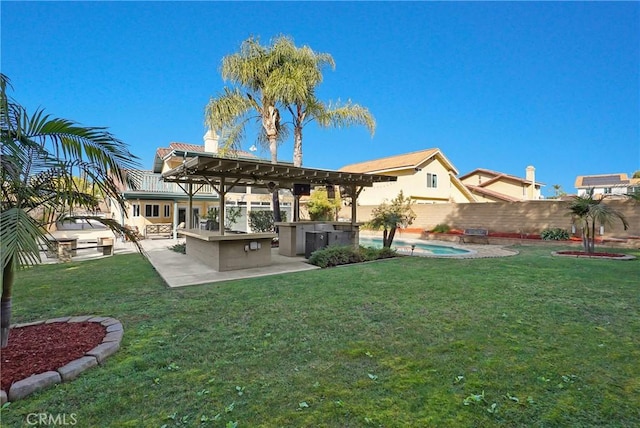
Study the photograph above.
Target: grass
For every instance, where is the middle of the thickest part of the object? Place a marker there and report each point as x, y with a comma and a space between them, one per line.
530, 340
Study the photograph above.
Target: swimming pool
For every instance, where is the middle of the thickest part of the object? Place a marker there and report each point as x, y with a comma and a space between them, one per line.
415, 247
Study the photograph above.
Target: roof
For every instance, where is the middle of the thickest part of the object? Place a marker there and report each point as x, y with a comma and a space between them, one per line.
492, 194
210, 169
190, 150
603, 180
497, 176
398, 162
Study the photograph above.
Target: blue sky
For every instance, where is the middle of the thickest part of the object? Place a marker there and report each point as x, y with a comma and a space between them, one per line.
496, 85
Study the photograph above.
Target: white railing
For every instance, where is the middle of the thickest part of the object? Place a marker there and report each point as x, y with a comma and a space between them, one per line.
151, 182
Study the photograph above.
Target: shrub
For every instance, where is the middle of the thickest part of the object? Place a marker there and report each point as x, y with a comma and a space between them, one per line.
336, 255
441, 228
555, 234
179, 248
262, 221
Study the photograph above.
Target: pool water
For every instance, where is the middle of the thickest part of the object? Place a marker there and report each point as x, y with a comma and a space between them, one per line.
420, 249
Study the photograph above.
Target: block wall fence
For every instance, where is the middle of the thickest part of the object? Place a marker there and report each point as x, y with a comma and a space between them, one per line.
525, 217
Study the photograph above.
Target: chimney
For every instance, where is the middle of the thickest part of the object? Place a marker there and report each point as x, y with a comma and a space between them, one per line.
210, 141
531, 176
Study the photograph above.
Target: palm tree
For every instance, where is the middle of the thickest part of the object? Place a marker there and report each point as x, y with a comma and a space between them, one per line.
588, 211
557, 191
40, 162
300, 77
257, 73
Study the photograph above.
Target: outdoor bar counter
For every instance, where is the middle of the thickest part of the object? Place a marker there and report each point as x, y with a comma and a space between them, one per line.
229, 252
291, 235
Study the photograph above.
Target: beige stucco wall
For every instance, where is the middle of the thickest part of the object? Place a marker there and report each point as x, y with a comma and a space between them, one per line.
414, 183
526, 216
504, 186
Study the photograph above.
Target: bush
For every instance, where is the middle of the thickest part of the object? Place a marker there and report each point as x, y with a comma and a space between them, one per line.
555, 234
441, 228
336, 255
262, 221
179, 248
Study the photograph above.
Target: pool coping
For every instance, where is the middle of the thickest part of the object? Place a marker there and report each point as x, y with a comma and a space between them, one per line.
475, 251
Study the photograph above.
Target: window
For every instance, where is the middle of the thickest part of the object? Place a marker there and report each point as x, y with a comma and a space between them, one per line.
152, 210
432, 180
167, 210
607, 190
136, 210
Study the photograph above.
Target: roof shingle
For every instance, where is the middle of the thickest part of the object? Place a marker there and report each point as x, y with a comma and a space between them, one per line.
406, 160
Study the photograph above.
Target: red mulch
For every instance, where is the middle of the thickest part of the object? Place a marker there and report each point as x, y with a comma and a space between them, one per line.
514, 235
41, 348
582, 253
498, 234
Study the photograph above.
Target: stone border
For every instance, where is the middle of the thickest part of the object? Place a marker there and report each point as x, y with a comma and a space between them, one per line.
110, 344
586, 256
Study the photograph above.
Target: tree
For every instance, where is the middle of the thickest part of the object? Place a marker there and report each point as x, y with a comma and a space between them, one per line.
588, 211
41, 160
301, 75
557, 191
320, 207
636, 174
256, 72
389, 217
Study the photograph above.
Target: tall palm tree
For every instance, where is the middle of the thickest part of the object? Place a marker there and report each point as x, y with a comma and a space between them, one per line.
588, 210
301, 76
40, 162
256, 72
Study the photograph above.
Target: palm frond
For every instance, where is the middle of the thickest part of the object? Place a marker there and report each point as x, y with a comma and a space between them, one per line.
230, 112
19, 237
341, 115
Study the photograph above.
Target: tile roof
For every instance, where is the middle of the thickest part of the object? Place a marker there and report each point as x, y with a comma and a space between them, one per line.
496, 176
491, 193
164, 151
403, 161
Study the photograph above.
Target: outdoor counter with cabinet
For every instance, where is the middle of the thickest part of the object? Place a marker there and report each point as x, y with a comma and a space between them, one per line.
292, 235
229, 252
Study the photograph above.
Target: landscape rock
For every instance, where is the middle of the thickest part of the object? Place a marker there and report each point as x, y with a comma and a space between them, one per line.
114, 336
74, 368
79, 319
24, 387
102, 351
61, 319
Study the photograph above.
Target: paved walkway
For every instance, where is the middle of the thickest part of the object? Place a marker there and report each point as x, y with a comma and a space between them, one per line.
179, 270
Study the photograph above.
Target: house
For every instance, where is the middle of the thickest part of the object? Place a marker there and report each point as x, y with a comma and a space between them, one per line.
607, 184
492, 186
426, 176
158, 206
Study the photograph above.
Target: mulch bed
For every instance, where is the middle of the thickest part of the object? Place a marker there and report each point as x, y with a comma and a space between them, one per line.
582, 253
46, 347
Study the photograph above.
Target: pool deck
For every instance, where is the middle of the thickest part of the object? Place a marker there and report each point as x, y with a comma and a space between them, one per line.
179, 270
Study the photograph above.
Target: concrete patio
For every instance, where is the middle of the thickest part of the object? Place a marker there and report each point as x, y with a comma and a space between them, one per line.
179, 270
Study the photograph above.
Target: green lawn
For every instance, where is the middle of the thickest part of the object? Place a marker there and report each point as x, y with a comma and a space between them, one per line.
529, 340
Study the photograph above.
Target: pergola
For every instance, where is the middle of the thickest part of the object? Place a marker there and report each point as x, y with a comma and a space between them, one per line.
223, 173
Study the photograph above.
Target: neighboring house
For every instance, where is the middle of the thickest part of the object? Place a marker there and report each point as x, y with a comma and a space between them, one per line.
493, 186
607, 184
155, 202
425, 176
